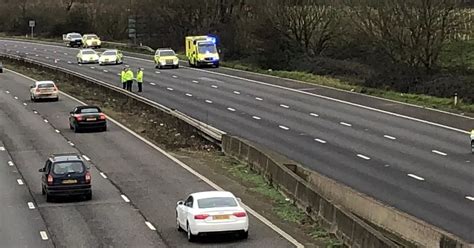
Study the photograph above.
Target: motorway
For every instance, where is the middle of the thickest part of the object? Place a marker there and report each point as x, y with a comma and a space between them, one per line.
423, 169
135, 187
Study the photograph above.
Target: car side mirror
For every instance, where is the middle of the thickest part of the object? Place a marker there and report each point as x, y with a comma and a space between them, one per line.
239, 200
71, 112
41, 170
180, 203
31, 86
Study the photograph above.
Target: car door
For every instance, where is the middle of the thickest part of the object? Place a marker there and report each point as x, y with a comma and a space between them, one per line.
187, 206
32, 89
46, 168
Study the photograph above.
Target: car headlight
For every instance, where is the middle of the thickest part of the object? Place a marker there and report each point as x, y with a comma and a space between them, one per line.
162, 62
175, 61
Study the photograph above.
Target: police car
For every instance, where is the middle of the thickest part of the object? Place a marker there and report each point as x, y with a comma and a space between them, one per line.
111, 56
87, 56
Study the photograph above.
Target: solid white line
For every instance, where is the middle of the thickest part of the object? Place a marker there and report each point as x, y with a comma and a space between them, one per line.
470, 198
174, 76
416, 177
103, 175
125, 198
256, 117
153, 84
19, 181
231, 109
313, 114
389, 137
208, 101
187, 94
363, 157
284, 106
284, 128
345, 124
439, 153
321, 141
214, 86
196, 82
31, 205
10, 163
86, 158
170, 89
45, 120
150, 226
44, 235
2, 148
236, 92
191, 170
258, 99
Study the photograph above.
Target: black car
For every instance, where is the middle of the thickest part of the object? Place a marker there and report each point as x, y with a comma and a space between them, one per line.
87, 117
65, 175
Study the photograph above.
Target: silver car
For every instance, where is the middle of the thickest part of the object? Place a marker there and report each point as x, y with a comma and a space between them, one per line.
44, 90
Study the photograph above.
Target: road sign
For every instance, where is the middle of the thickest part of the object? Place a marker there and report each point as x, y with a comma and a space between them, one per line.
32, 23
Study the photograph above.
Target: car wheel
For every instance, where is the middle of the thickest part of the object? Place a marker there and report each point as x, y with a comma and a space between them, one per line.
56, 99
191, 236
244, 235
103, 129
178, 226
42, 191
176, 66
88, 196
71, 127
33, 98
76, 129
49, 198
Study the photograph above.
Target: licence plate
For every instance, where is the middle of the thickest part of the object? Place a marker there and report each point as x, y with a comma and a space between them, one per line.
220, 217
91, 119
70, 181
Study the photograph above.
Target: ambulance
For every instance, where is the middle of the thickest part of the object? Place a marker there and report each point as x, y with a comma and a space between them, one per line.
202, 51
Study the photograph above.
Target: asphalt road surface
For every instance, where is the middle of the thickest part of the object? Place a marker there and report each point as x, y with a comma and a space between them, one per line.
135, 187
422, 169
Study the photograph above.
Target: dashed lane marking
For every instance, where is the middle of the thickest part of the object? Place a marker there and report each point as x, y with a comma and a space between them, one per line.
284, 127
152, 84
150, 226
16, 98
31, 205
196, 82
321, 141
231, 109
19, 181
363, 157
314, 114
10, 163
284, 106
2, 148
439, 153
345, 124
214, 86
389, 137
236, 92
258, 99
25, 103
86, 158
190, 95
208, 101
416, 177
125, 198
57, 131
104, 176
44, 235
170, 89
256, 117
174, 76
45, 120
470, 198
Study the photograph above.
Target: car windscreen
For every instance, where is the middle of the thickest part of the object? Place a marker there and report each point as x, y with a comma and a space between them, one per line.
89, 110
207, 48
88, 52
90, 37
167, 53
75, 36
217, 202
47, 85
62, 168
108, 53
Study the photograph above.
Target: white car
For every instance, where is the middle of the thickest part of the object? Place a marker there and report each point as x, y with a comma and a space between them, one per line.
211, 212
44, 90
111, 57
87, 56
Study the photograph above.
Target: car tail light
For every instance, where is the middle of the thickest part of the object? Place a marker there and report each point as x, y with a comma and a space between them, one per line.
201, 216
38, 90
55, 88
102, 117
240, 214
78, 117
50, 179
88, 177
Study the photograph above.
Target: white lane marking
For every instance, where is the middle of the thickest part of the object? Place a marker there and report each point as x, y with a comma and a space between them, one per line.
196, 82
125, 198
387, 165
208, 101
150, 226
44, 235
363, 157
104, 176
170, 89
19, 181
153, 84
345, 124
2, 148
10, 163
70, 143
321, 141
416, 177
314, 114
174, 76
26, 53
47, 57
157, 72
439, 153
190, 170
69, 62
45, 120
31, 205
256, 117
187, 94
236, 92
284, 128
8, 92
34, 48
57, 131
65, 53
24, 47
92, 67
470, 198
36, 55
258, 99
231, 109
214, 86
25, 103
284, 106
34, 111
81, 65
86, 158
55, 51
105, 71
389, 137
16, 98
